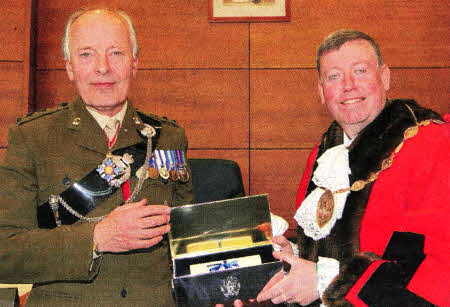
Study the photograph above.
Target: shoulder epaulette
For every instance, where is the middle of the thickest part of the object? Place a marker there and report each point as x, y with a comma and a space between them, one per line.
170, 121
152, 119
32, 116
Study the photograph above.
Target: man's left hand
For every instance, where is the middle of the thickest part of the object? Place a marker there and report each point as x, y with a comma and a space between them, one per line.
298, 286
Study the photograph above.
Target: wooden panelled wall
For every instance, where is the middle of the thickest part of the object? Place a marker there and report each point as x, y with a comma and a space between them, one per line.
15, 20
243, 91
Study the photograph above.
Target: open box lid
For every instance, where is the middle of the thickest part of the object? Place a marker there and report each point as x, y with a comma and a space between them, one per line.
219, 226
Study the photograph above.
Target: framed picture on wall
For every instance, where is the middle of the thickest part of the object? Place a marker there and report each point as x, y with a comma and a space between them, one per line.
249, 10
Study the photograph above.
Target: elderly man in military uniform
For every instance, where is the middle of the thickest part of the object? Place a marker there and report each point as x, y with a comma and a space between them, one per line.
86, 188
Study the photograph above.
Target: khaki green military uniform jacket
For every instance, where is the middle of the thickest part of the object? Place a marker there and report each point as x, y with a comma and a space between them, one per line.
47, 153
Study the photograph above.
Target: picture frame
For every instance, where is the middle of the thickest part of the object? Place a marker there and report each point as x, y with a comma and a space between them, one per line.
249, 10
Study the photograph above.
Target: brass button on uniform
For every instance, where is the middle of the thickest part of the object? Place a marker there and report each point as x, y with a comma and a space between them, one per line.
66, 181
123, 293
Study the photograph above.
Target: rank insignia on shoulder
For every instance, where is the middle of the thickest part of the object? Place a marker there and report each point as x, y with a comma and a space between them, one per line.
41, 113
169, 121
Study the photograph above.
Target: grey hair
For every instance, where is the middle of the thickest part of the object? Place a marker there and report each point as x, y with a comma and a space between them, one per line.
336, 39
121, 14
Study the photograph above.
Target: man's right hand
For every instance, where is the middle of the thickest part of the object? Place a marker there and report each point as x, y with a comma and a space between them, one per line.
132, 226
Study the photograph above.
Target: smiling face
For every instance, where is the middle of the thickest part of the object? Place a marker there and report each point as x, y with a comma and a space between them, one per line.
352, 85
101, 61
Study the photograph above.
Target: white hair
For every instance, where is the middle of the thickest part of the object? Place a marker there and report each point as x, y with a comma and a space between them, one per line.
121, 14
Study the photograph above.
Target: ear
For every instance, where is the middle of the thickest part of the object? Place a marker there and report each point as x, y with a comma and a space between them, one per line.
385, 76
69, 70
320, 90
135, 67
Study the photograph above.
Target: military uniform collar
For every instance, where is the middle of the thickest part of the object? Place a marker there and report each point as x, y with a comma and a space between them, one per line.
89, 134
102, 119
128, 131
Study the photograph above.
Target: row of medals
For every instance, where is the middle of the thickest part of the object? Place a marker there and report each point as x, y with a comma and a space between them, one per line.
174, 173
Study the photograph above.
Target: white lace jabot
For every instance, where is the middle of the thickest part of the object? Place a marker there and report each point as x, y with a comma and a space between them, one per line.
331, 173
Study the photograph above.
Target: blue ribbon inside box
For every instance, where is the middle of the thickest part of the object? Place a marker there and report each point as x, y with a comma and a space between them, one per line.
221, 251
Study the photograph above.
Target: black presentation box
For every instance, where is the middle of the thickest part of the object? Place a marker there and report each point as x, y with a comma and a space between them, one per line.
221, 251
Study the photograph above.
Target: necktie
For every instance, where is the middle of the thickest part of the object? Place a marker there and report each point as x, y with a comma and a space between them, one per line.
111, 128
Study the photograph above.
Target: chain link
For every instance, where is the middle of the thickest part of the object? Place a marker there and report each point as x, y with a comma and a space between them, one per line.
136, 191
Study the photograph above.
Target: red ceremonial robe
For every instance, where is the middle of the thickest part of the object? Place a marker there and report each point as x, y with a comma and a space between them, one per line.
401, 219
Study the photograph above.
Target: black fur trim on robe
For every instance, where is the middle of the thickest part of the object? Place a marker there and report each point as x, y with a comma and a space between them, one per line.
373, 144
